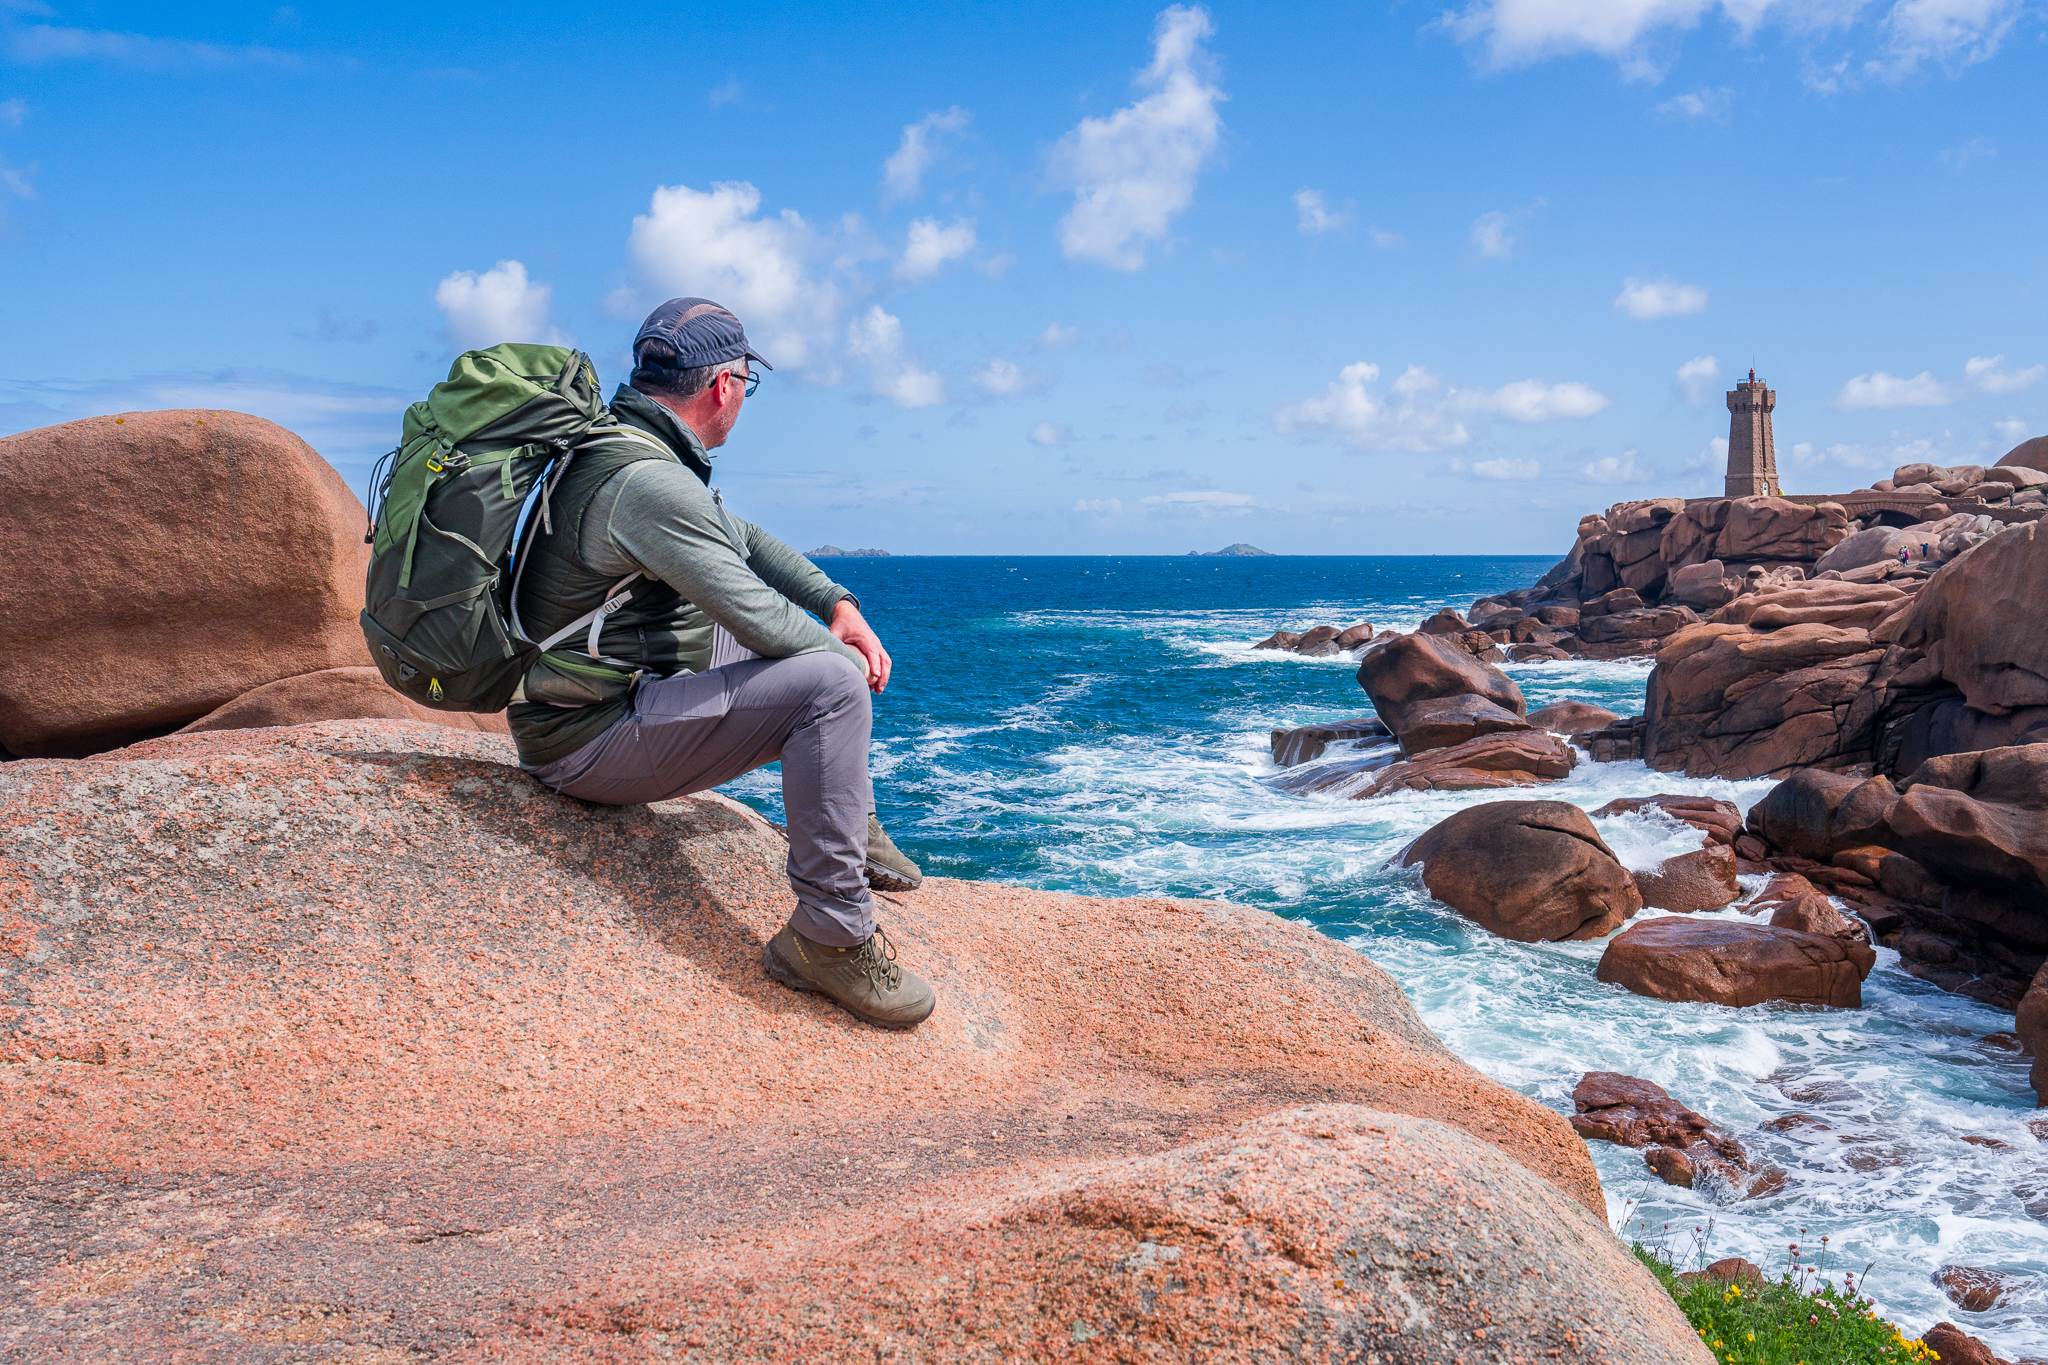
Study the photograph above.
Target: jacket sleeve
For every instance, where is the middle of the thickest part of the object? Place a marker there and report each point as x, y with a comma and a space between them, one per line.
664, 522
790, 573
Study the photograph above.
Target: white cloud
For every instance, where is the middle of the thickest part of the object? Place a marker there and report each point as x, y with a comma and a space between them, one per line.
1418, 413
1205, 502
1694, 375
903, 172
1496, 233
1705, 102
1982, 374
1714, 459
1881, 390
1612, 469
1871, 457
709, 244
1050, 434
1000, 378
12, 112
1101, 507
499, 305
2011, 430
1058, 338
16, 181
1383, 240
1316, 217
877, 337
46, 43
931, 246
1504, 469
1958, 158
1645, 300
1953, 33
1133, 171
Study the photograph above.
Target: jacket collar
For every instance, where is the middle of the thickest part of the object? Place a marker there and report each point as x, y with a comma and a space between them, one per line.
636, 409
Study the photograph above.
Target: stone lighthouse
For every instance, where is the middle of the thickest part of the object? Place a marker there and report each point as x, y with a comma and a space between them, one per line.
1752, 455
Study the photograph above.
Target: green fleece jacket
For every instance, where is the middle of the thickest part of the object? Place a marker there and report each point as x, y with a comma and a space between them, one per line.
660, 518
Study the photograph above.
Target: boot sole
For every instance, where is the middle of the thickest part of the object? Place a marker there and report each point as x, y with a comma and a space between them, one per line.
779, 970
887, 879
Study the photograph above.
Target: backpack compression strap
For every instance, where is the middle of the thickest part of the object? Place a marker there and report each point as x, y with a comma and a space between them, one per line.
620, 593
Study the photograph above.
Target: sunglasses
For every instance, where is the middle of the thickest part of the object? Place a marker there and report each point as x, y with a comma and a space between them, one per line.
753, 380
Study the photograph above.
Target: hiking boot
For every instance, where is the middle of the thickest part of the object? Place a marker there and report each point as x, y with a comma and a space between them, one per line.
888, 869
863, 981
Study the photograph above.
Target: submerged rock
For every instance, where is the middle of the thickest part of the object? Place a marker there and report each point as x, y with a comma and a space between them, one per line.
1572, 718
1680, 1144
1533, 871
1701, 880
1306, 743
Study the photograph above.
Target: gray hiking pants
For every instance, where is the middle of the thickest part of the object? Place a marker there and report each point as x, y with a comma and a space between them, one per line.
692, 733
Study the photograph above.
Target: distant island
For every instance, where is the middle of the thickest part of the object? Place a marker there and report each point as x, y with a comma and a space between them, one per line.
1238, 550
834, 552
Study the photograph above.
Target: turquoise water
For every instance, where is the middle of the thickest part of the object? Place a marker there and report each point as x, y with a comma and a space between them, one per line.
1100, 725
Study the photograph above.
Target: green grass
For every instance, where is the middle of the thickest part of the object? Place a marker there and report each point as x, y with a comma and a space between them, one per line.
1799, 1319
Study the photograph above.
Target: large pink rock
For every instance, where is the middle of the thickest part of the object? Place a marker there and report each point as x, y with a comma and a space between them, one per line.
1734, 701
1417, 668
2030, 454
156, 565
355, 1014
1753, 530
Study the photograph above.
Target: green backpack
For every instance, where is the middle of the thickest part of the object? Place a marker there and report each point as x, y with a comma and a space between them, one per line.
440, 611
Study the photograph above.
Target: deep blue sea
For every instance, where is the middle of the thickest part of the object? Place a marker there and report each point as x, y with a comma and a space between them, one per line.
1100, 725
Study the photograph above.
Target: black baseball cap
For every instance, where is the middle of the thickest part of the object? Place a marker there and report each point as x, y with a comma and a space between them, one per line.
699, 332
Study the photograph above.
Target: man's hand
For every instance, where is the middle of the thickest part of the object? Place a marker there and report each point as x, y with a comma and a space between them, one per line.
851, 628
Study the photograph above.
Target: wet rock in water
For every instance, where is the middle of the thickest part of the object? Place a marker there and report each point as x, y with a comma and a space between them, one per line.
1796, 1123
1524, 759
1817, 814
1701, 880
1572, 717
1532, 654
1532, 871
1680, 1143
1719, 820
1818, 915
1344, 776
1953, 1346
2030, 1023
1783, 888
1671, 1166
1977, 1291
1721, 963
1445, 622
333, 694
169, 562
1418, 668
1441, 722
1319, 641
1621, 742
1354, 636
1280, 639
1306, 743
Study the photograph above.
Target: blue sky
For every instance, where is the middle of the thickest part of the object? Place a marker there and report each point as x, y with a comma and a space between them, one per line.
1377, 279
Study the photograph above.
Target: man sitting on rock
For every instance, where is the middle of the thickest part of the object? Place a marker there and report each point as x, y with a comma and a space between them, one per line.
736, 673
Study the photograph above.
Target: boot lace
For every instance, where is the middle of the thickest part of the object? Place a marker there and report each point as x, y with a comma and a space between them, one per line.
877, 961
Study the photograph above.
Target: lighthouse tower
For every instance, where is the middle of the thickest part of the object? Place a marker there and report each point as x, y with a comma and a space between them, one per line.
1752, 455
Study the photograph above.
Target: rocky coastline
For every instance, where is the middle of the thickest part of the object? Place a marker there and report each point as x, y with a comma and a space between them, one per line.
322, 1026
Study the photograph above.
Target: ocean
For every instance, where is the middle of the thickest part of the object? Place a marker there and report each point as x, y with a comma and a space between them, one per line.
1100, 725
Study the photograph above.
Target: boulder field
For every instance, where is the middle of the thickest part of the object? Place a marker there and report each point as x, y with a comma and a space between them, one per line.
168, 569
347, 1040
